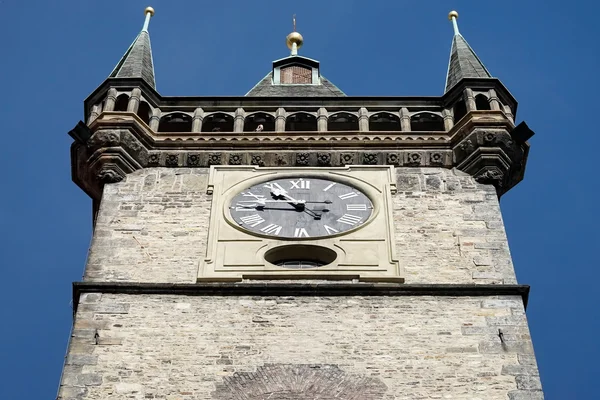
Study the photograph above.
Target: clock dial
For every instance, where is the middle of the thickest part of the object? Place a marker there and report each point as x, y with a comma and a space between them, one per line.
300, 208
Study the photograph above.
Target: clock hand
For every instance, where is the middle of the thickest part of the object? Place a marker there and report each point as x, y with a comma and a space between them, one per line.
312, 213
283, 193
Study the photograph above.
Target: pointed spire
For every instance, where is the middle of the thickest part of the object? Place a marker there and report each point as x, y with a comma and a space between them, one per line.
463, 63
137, 61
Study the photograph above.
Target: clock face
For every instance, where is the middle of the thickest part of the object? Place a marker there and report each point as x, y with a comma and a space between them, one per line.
300, 208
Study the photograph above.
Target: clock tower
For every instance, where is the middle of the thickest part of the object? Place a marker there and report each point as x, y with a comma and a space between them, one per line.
298, 243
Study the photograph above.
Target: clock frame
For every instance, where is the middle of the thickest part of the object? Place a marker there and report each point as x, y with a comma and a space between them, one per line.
365, 252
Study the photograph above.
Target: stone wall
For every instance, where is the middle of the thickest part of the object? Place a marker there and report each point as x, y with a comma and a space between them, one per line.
363, 348
449, 228
152, 227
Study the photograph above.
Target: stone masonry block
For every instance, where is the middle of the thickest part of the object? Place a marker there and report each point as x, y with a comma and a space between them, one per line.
198, 344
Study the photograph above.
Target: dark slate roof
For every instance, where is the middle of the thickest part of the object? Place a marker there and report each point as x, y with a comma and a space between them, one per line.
266, 88
137, 61
464, 63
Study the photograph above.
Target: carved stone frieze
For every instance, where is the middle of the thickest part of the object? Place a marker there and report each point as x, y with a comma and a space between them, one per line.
214, 158
436, 158
154, 159
110, 173
235, 158
490, 175
282, 160
193, 160
258, 159
104, 138
324, 159
347, 158
492, 157
479, 140
414, 159
303, 159
370, 158
393, 159
171, 160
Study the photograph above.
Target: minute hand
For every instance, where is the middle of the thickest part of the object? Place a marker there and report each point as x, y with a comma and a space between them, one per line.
290, 199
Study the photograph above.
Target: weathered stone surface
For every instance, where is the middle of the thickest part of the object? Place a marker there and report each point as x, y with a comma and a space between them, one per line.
389, 347
154, 227
442, 230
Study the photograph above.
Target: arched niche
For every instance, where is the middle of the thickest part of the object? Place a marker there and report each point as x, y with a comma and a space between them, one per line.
342, 121
217, 122
144, 112
426, 122
459, 110
384, 121
121, 102
175, 122
252, 121
482, 102
301, 122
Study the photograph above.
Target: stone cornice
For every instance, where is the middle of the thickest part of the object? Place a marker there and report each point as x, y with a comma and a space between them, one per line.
118, 143
298, 289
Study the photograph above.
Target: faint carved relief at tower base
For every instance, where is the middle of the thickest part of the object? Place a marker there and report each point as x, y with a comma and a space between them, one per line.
299, 382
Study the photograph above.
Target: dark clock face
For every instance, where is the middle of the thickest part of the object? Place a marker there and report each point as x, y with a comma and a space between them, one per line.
300, 208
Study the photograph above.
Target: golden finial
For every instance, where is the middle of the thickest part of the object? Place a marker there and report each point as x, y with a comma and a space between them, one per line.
294, 40
453, 16
148, 12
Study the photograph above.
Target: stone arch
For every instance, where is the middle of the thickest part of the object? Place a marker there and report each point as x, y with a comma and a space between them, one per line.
482, 102
301, 121
384, 121
459, 110
144, 112
252, 121
217, 122
175, 122
342, 121
426, 122
121, 102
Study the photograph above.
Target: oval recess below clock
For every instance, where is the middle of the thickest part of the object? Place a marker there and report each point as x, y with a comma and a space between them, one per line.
300, 256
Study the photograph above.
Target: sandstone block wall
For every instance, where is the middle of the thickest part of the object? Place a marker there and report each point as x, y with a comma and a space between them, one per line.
367, 348
152, 227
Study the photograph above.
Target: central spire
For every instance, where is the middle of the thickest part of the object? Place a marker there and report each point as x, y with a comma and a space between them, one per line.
294, 40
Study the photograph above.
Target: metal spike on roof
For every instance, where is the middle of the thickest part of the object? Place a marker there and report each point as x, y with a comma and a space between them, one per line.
463, 63
137, 60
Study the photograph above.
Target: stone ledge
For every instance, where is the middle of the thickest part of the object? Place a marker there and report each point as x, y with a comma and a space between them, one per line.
298, 289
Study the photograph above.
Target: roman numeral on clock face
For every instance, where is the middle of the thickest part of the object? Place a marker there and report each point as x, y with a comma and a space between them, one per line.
300, 184
272, 229
330, 230
329, 186
349, 219
252, 220
274, 186
356, 207
346, 196
300, 232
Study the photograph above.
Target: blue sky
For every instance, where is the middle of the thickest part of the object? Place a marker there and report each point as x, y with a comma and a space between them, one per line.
57, 52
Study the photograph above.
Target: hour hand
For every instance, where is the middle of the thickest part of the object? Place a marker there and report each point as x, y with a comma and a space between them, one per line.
258, 206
